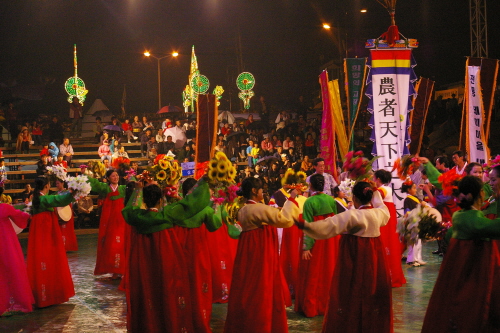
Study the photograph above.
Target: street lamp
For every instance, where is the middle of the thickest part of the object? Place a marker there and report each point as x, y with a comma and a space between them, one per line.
147, 54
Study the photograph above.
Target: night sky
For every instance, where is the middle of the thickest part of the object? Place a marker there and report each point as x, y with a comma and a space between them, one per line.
282, 44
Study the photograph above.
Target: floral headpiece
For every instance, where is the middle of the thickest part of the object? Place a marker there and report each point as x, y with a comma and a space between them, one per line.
408, 182
406, 166
491, 164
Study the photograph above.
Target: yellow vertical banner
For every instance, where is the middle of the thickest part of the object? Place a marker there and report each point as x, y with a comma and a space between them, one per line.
338, 117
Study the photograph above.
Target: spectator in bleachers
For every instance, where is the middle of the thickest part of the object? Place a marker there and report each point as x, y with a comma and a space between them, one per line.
104, 151
67, 150
226, 130
24, 141
298, 144
137, 126
27, 194
276, 142
292, 156
287, 144
61, 161
107, 164
56, 131
76, 115
166, 124
255, 153
310, 147
147, 125
104, 136
45, 150
120, 153
306, 165
145, 136
249, 153
221, 147
160, 139
42, 165
127, 129
267, 146
53, 151
97, 129
36, 133
169, 145
249, 120
152, 147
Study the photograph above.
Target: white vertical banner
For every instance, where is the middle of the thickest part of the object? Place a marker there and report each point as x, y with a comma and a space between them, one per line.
390, 112
476, 142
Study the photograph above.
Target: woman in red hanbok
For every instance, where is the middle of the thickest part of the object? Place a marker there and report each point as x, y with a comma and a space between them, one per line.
257, 300
360, 293
159, 293
48, 269
67, 226
196, 249
388, 234
111, 239
466, 296
318, 257
15, 290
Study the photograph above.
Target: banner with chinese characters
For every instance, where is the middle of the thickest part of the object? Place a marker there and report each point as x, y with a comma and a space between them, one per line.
488, 70
476, 144
390, 89
355, 71
327, 139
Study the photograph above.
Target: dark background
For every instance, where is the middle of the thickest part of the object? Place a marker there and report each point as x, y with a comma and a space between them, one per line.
282, 44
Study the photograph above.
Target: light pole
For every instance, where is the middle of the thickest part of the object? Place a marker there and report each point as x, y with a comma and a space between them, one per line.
147, 54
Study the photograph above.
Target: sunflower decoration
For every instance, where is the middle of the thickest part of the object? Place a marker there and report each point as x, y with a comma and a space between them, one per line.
220, 169
294, 180
220, 176
166, 171
232, 209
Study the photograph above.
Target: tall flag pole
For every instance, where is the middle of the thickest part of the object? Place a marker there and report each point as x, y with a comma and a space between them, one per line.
390, 89
189, 95
124, 100
74, 86
424, 88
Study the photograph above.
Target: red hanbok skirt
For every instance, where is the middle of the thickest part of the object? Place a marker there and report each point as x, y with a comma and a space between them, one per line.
158, 294
68, 234
15, 290
111, 239
392, 247
290, 253
222, 253
200, 276
315, 277
257, 300
48, 269
466, 295
360, 293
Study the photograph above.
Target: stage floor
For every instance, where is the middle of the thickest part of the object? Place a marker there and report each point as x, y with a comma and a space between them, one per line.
99, 307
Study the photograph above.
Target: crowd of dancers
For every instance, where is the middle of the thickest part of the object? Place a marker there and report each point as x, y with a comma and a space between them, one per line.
177, 257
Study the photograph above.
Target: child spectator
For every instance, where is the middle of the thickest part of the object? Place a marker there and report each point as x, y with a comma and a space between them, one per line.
61, 161
44, 150
53, 151
104, 151
42, 165
255, 153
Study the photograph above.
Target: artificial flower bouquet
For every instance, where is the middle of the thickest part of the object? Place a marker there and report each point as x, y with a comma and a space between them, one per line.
358, 167
423, 223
